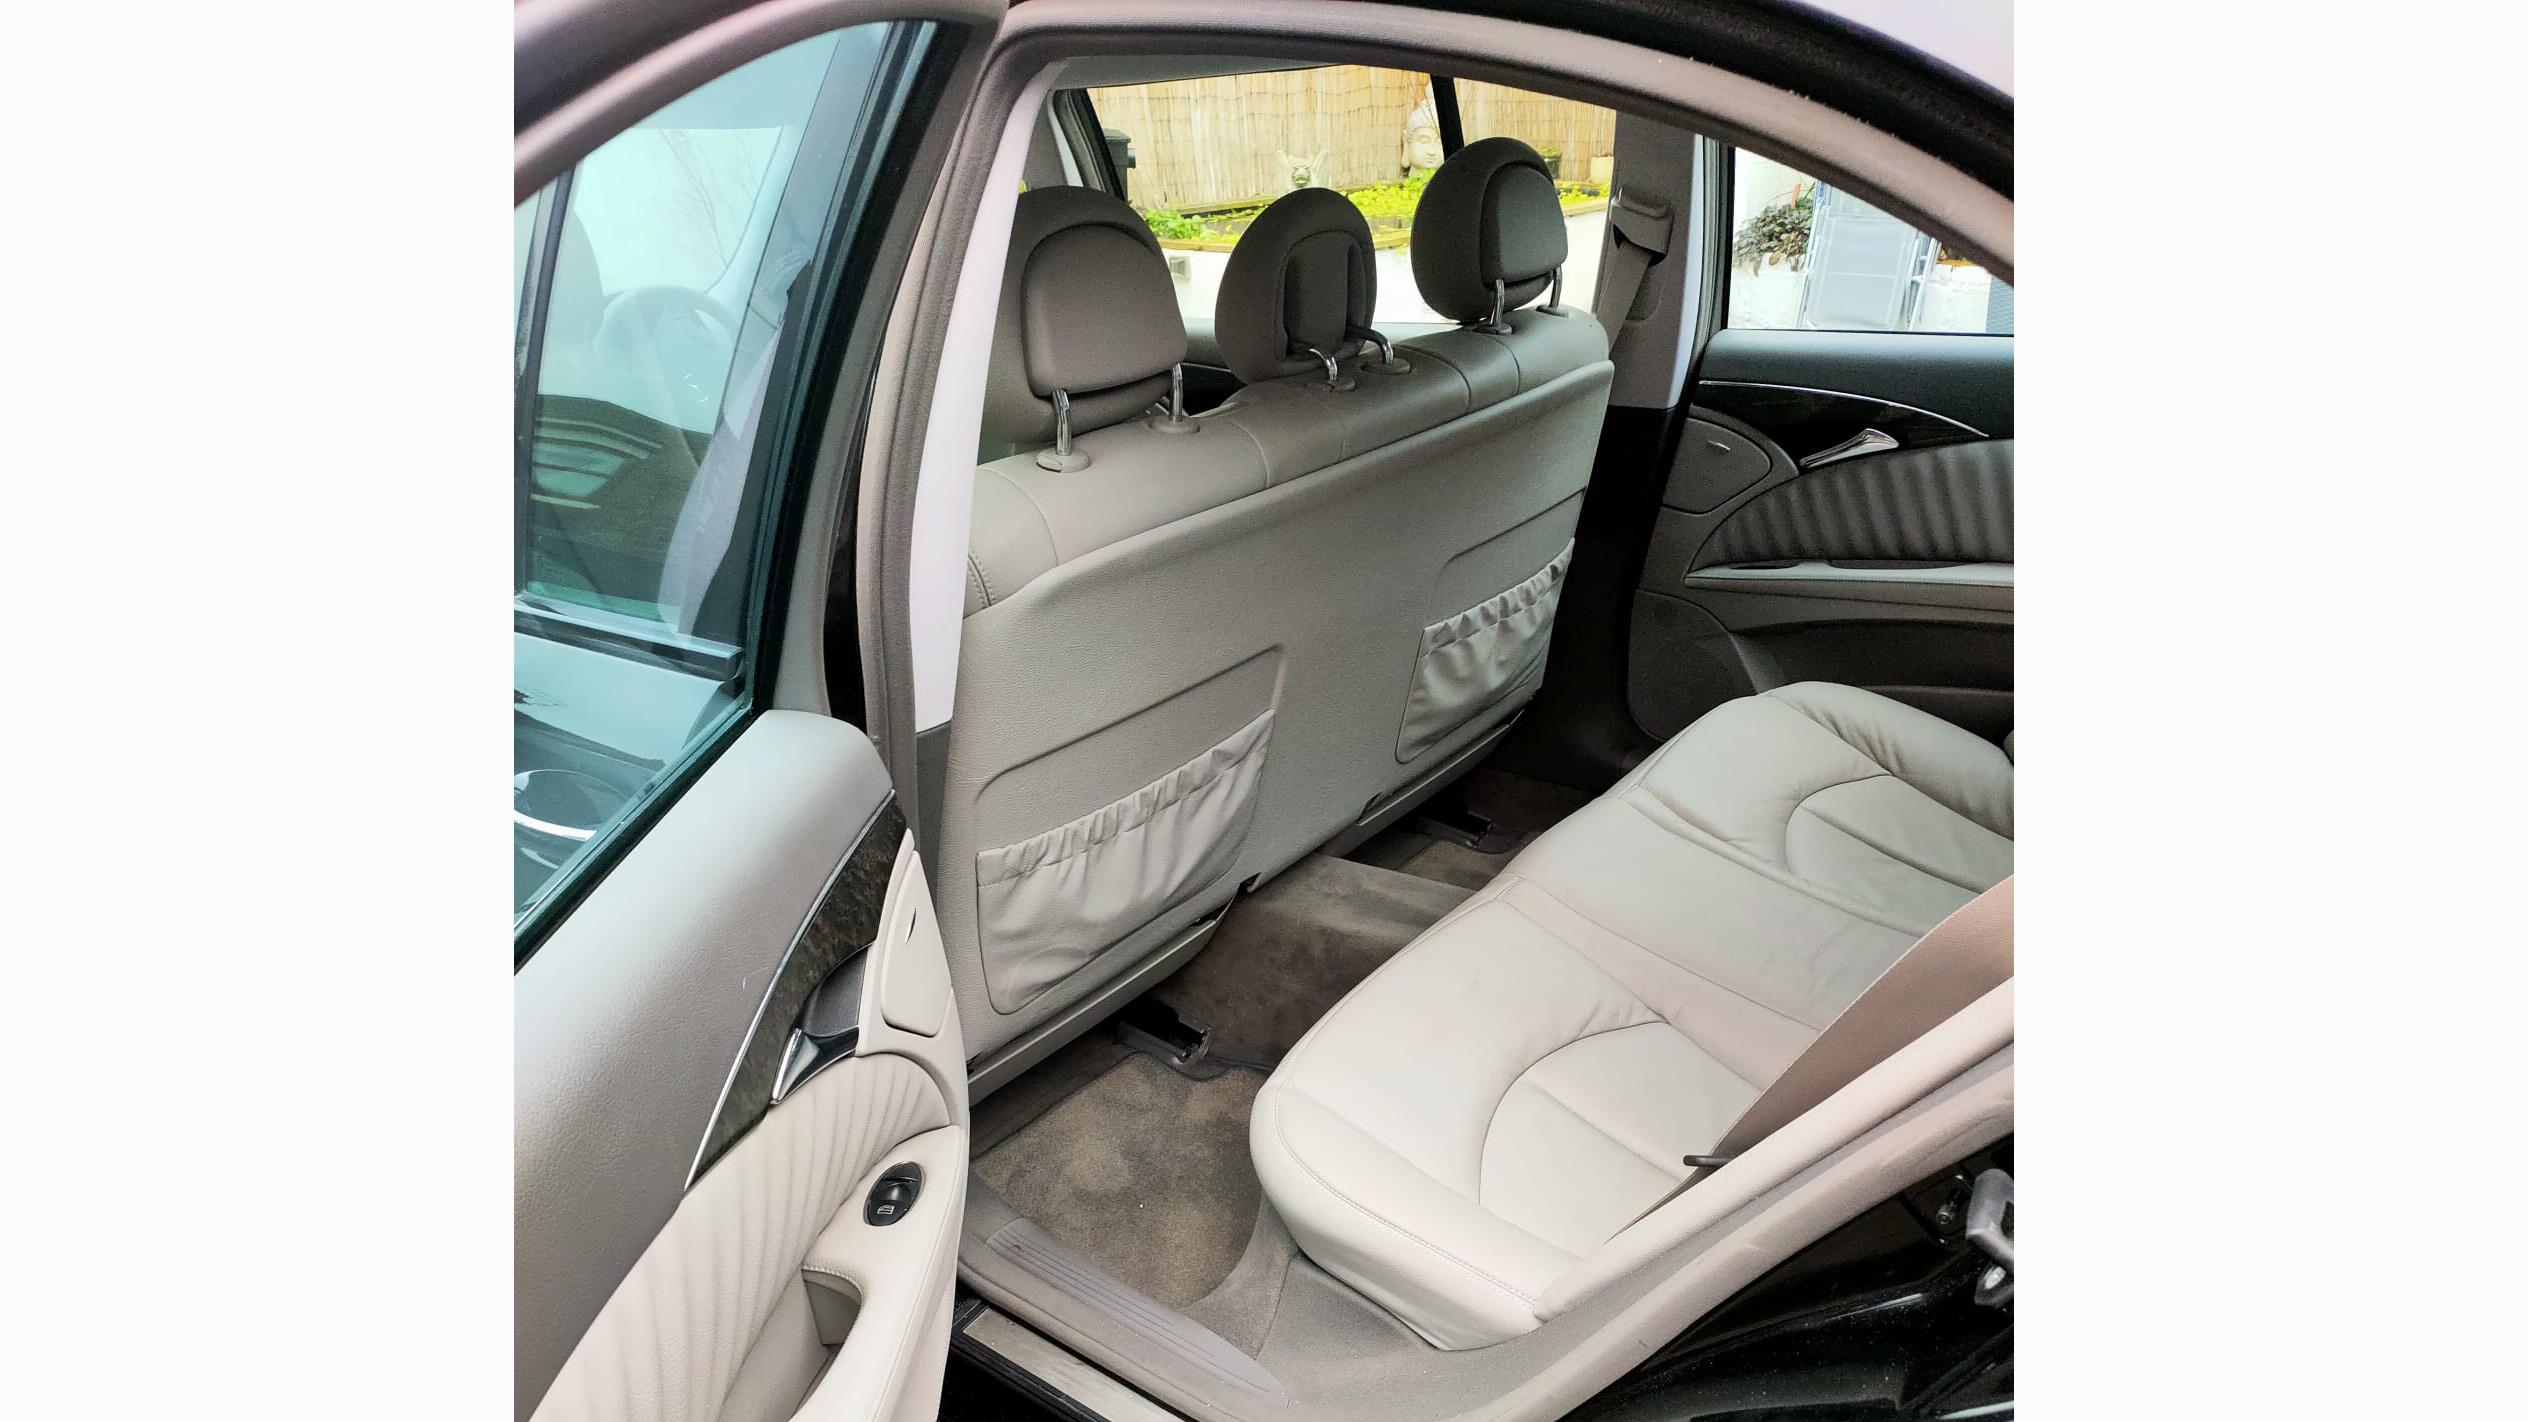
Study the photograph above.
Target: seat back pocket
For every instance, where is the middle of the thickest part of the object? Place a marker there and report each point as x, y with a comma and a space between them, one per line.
1470, 661
1052, 901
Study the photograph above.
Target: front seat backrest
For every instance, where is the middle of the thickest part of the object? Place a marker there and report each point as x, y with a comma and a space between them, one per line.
1074, 816
1488, 238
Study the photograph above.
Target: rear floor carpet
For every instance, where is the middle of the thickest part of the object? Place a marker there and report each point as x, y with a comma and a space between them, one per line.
1517, 804
1288, 952
1145, 1172
1045, 1085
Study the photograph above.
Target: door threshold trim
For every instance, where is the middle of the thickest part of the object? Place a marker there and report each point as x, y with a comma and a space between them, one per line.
1045, 1369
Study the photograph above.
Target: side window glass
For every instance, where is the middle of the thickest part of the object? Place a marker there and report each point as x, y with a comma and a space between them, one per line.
1208, 155
1805, 256
651, 286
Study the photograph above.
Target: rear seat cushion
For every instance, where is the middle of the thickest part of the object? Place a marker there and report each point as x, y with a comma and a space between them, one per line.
1519, 1083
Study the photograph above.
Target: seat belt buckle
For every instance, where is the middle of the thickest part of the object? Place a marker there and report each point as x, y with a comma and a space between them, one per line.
1708, 1162
1990, 1228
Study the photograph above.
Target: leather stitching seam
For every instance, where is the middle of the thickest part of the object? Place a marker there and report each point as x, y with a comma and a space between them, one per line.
1924, 870
1686, 968
1924, 786
1576, 1114
1802, 804
1696, 835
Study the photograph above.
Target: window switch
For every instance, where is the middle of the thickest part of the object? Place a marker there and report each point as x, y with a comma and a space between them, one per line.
891, 1199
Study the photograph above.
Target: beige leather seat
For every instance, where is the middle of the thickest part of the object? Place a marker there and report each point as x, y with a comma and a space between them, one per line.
1520, 1083
1194, 650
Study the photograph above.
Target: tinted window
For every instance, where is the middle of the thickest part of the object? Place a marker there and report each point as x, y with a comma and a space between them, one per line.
1210, 154
652, 287
1805, 256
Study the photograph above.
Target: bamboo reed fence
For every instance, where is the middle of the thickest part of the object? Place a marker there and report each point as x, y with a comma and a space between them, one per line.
1249, 138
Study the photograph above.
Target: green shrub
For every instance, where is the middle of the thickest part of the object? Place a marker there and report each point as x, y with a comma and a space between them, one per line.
1173, 225
1779, 233
1377, 202
1397, 199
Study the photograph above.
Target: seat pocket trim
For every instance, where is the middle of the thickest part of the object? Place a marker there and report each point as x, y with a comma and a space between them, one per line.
1054, 900
1469, 661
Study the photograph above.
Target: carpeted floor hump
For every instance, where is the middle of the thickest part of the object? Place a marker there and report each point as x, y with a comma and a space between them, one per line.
1144, 1171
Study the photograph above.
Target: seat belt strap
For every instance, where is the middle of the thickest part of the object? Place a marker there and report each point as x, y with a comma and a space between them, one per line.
1963, 957
1640, 224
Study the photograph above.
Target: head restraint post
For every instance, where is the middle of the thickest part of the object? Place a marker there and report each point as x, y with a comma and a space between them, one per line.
1386, 350
1174, 421
1062, 458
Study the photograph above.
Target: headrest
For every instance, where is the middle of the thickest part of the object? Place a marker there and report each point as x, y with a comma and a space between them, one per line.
1301, 276
1489, 214
1086, 306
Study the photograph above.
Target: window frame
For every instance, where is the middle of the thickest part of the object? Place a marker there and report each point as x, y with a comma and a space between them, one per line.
893, 114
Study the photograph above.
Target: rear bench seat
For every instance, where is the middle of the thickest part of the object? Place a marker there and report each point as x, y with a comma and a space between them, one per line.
1520, 1082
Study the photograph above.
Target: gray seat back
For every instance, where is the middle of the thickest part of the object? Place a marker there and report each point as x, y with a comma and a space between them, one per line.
1191, 653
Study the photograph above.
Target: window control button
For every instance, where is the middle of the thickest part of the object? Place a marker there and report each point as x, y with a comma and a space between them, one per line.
891, 1199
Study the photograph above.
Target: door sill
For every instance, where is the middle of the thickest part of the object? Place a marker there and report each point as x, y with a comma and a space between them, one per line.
1047, 1371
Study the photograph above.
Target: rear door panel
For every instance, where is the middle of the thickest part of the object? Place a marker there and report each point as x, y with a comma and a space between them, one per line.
1839, 509
738, 1020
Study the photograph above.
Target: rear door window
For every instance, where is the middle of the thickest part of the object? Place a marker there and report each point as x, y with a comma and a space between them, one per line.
1208, 155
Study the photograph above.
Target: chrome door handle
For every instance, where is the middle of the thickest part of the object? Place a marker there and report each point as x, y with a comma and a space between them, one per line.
1866, 442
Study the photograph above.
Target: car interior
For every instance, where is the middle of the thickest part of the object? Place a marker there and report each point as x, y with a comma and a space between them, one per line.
1436, 842
1431, 1022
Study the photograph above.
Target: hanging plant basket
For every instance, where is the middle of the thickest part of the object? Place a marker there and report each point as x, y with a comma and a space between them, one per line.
1777, 234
